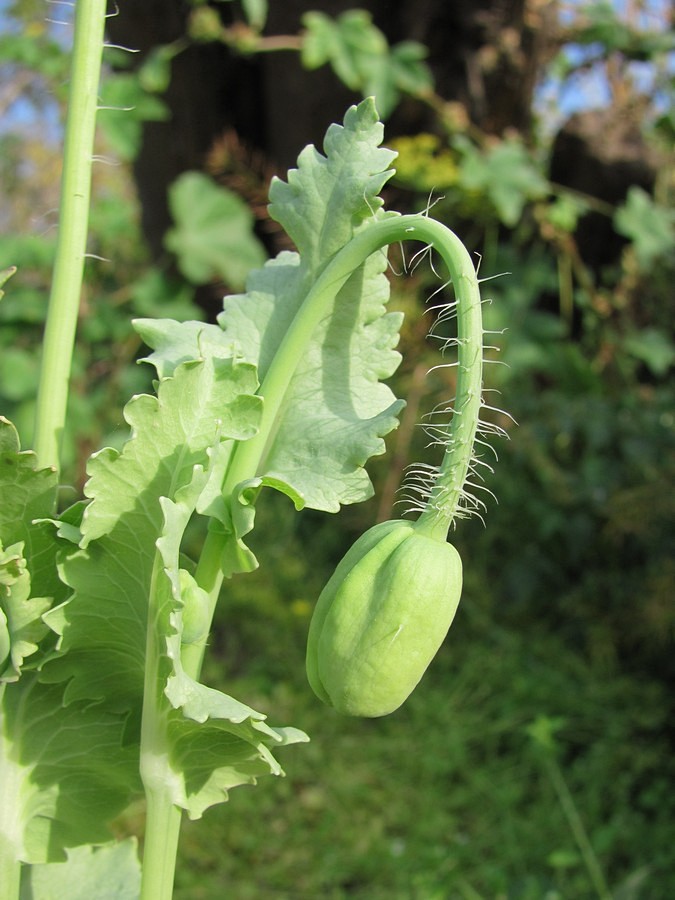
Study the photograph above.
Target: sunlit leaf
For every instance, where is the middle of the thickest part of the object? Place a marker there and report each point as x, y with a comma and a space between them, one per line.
507, 175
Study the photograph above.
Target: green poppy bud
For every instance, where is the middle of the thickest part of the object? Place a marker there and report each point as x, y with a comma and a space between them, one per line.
381, 619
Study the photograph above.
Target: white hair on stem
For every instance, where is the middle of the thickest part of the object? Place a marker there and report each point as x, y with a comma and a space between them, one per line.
419, 488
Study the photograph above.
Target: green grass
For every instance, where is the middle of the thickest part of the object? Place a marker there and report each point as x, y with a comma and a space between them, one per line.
450, 797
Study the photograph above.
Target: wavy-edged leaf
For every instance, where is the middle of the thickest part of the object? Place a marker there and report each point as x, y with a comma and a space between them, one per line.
63, 772
335, 411
55, 790
28, 496
29, 582
111, 872
178, 342
329, 195
103, 627
21, 625
215, 742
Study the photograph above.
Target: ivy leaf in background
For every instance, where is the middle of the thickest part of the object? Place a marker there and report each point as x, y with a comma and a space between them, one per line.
213, 235
410, 71
254, 10
350, 43
654, 348
36, 51
256, 13
565, 211
361, 57
506, 175
650, 227
154, 75
605, 27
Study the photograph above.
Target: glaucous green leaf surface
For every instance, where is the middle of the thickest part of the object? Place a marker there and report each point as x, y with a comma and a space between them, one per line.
54, 790
336, 411
21, 626
329, 195
28, 496
103, 627
174, 343
111, 872
63, 772
215, 742
28, 580
127, 564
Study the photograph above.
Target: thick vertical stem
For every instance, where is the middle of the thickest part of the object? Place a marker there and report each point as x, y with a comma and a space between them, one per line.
163, 818
162, 827
64, 299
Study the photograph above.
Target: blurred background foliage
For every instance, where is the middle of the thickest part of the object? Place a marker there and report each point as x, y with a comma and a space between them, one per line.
535, 760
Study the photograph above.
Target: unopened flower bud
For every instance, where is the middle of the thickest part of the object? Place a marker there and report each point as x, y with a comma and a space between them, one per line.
381, 619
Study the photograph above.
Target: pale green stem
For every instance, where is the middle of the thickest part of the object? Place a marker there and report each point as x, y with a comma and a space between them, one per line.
163, 818
162, 828
10, 873
66, 287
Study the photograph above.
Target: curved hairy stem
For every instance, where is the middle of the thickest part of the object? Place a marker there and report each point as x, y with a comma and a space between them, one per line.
446, 493
249, 455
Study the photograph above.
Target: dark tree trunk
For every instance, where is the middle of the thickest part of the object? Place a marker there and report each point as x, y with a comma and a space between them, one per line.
483, 54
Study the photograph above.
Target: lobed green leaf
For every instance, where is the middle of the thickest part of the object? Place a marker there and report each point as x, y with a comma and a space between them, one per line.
103, 627
215, 742
335, 411
63, 771
111, 872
